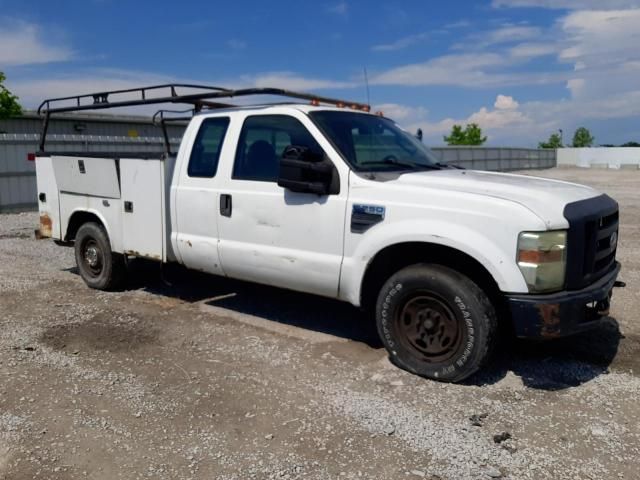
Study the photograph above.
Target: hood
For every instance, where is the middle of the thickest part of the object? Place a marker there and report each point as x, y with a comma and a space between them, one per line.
546, 198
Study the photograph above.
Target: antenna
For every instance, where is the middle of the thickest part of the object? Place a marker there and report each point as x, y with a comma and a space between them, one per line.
366, 84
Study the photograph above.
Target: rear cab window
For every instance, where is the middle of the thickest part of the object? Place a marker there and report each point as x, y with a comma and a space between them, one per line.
205, 154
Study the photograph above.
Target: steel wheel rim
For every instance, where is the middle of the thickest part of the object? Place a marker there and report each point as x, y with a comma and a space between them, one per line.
92, 257
428, 327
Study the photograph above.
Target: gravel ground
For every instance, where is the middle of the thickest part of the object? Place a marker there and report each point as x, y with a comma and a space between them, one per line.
209, 378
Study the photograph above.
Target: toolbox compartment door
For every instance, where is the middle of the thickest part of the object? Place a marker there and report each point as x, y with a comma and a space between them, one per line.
142, 207
48, 199
91, 176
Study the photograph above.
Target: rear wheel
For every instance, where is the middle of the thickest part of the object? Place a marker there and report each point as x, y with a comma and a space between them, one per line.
99, 267
436, 322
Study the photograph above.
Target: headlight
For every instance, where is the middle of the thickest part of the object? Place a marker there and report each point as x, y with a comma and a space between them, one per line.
542, 258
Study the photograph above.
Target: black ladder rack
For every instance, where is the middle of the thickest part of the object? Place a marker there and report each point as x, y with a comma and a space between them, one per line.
205, 97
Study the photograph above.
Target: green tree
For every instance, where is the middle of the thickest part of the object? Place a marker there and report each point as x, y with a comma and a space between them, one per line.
630, 144
9, 106
554, 142
582, 138
471, 135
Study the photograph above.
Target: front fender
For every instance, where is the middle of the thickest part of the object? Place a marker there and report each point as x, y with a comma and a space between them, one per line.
499, 260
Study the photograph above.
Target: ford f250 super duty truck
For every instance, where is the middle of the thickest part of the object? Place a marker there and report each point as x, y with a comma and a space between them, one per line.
327, 198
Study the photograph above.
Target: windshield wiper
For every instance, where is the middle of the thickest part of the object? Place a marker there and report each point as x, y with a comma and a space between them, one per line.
448, 165
407, 165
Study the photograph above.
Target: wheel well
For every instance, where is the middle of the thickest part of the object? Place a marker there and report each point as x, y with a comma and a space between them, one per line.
77, 220
395, 257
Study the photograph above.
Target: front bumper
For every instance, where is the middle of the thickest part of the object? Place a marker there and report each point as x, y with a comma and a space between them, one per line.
563, 313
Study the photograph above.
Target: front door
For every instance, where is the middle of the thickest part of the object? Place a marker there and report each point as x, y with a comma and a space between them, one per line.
269, 234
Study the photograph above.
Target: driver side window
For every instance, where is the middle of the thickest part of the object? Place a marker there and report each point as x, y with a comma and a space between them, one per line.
262, 140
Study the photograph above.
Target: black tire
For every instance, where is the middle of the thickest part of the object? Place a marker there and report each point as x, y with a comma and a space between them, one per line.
99, 267
436, 322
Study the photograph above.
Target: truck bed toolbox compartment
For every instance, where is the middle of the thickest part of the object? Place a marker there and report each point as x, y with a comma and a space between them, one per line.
97, 177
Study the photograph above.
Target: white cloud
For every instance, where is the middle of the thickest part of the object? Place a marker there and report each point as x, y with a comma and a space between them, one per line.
22, 43
480, 70
236, 44
568, 4
467, 70
597, 61
32, 91
529, 122
458, 24
401, 43
509, 34
506, 119
596, 36
576, 87
532, 50
601, 47
491, 120
505, 102
403, 114
292, 81
340, 8
505, 34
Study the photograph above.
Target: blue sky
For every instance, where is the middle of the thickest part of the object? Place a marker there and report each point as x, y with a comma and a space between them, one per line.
522, 69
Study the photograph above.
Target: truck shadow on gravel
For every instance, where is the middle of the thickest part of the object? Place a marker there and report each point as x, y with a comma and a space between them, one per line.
549, 365
296, 309
556, 364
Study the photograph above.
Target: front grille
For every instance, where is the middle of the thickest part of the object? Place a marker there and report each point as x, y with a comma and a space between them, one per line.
600, 247
592, 240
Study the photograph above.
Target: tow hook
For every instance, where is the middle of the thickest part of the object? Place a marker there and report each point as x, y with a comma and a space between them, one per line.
619, 284
602, 307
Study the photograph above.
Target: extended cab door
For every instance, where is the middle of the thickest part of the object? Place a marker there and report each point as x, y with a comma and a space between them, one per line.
196, 195
269, 234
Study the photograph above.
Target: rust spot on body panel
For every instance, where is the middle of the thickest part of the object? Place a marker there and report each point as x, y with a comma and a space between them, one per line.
134, 253
550, 316
46, 227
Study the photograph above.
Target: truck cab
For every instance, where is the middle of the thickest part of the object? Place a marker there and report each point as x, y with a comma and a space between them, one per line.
329, 199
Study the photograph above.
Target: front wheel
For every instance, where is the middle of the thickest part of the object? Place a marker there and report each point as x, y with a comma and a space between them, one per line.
436, 322
99, 267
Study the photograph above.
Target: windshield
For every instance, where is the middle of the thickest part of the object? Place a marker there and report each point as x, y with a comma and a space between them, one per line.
374, 143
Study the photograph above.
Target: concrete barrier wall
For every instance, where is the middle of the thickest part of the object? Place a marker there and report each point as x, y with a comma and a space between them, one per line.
603, 157
498, 159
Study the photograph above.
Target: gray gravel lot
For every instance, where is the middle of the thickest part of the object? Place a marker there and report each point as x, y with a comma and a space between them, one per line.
210, 378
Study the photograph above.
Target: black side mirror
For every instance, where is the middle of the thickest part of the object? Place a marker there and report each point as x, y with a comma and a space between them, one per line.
305, 170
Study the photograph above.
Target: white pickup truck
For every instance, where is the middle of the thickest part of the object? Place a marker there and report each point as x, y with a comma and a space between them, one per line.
326, 198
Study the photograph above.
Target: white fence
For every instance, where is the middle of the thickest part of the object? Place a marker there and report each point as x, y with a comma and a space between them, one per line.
603, 157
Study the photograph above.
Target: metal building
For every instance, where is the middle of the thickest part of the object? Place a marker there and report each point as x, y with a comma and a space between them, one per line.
131, 126
75, 132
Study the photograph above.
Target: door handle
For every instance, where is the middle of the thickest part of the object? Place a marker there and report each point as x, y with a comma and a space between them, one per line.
225, 205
